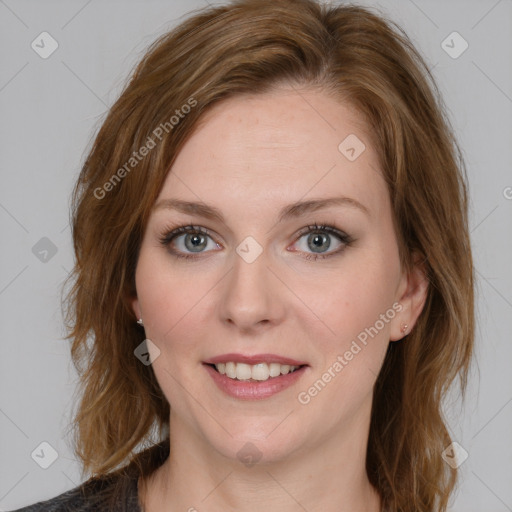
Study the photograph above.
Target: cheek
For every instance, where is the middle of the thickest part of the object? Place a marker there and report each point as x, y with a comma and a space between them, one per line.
357, 308
351, 353
356, 296
171, 298
172, 304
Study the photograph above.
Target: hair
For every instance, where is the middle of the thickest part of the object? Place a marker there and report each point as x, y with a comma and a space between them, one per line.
251, 47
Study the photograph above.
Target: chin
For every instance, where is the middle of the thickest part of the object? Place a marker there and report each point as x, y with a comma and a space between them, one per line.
251, 447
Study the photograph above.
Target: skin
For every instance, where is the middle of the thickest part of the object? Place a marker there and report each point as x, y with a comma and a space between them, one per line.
250, 157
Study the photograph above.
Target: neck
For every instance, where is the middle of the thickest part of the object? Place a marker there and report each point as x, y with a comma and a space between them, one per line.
329, 477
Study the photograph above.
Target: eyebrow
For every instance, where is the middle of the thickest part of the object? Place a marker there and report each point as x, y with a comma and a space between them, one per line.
293, 210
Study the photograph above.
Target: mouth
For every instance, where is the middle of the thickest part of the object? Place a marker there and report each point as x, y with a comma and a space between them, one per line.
259, 372
254, 377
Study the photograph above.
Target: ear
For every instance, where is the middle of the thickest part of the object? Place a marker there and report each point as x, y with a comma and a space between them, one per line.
136, 307
411, 294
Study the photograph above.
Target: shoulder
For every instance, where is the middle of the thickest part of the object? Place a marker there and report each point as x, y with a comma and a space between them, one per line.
116, 494
69, 500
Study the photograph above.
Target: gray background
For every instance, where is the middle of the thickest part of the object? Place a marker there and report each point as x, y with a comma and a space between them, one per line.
50, 110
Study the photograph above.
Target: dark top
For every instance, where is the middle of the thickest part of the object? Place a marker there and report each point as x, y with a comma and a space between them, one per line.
114, 492
95, 496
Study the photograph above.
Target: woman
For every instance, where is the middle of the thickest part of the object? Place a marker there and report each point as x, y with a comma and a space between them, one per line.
273, 272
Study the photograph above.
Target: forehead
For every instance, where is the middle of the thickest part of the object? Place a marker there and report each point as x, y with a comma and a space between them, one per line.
256, 151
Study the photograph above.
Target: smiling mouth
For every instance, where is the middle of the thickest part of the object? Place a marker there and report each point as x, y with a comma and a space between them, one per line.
260, 372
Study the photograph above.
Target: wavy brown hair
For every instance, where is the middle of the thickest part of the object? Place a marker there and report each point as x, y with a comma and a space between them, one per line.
250, 47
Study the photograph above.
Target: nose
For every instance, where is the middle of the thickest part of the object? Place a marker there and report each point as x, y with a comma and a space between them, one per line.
252, 295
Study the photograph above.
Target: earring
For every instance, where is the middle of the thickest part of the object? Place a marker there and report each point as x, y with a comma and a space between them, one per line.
139, 321
403, 328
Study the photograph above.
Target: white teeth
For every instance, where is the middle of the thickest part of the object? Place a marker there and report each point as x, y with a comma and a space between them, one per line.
260, 371
275, 369
231, 370
243, 371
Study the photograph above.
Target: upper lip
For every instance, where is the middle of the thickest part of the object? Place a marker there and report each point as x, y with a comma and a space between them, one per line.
254, 359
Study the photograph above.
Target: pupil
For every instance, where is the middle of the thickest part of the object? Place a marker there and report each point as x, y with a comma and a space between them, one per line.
320, 241
194, 242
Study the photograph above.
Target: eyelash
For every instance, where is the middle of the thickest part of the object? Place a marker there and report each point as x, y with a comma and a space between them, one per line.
169, 234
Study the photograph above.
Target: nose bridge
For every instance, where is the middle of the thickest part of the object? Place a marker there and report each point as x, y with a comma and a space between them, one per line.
250, 293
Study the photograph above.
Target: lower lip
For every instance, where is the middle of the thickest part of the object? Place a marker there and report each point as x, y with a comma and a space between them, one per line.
245, 390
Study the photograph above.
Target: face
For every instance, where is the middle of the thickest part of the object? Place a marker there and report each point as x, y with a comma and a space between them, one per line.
292, 263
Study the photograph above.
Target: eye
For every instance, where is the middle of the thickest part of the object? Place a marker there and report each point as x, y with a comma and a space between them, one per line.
319, 239
187, 240
190, 241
